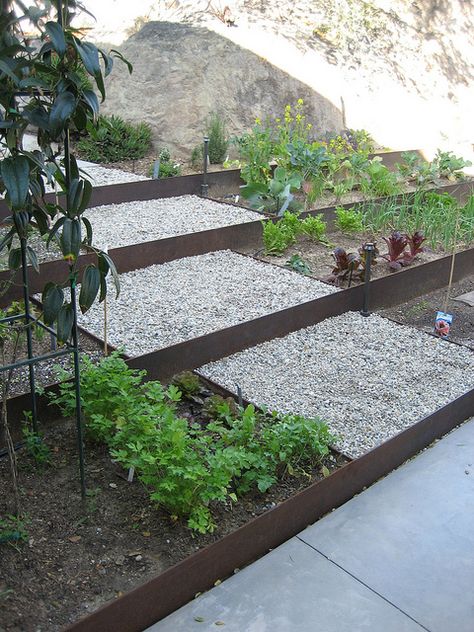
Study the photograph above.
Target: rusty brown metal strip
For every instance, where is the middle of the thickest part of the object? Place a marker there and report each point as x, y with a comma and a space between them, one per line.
173, 588
384, 292
142, 255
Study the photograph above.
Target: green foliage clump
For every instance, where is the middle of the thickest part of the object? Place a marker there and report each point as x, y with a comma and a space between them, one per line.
186, 467
12, 529
168, 168
298, 264
187, 382
276, 195
349, 220
114, 139
314, 226
218, 140
34, 444
379, 180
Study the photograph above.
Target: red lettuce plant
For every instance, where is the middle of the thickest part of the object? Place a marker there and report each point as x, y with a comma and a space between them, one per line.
414, 243
396, 255
345, 263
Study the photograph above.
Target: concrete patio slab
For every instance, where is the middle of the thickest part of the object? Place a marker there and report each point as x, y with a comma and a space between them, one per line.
292, 589
410, 537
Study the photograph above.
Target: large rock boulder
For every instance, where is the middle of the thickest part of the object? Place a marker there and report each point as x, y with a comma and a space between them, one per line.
182, 73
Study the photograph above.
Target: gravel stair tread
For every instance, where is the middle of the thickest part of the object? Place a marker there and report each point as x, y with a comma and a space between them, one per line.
179, 300
369, 378
116, 225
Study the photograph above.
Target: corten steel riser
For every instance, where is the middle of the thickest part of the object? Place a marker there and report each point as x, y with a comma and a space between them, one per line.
173, 588
384, 292
142, 255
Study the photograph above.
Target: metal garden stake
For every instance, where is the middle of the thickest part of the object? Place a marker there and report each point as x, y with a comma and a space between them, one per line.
205, 153
368, 249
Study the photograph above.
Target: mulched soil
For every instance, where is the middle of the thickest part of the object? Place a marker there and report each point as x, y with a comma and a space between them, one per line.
421, 311
80, 555
318, 256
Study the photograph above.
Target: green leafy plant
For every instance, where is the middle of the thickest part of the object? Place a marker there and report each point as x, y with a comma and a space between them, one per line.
34, 443
168, 168
189, 468
277, 237
218, 140
450, 166
12, 529
379, 179
187, 382
314, 227
275, 196
114, 139
349, 220
296, 263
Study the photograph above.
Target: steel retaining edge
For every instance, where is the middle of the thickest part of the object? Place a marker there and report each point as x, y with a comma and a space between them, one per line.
385, 292
142, 607
142, 255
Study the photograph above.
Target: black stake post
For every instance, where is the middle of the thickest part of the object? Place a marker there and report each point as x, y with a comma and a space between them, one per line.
368, 249
29, 337
205, 154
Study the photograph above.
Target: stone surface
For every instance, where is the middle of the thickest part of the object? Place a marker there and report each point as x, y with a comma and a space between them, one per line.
182, 73
292, 589
410, 537
467, 298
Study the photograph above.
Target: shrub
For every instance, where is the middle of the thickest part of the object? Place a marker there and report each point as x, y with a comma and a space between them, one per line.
114, 139
168, 167
218, 141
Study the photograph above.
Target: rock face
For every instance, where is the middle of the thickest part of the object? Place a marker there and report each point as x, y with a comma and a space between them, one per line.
182, 73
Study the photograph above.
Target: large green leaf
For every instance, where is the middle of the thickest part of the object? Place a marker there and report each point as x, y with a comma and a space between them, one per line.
56, 35
15, 174
90, 97
89, 55
65, 322
89, 287
37, 116
32, 258
70, 239
7, 70
105, 265
79, 195
52, 299
14, 258
63, 107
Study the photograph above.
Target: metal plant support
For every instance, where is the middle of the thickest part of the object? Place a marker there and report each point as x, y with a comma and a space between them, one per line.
368, 249
205, 154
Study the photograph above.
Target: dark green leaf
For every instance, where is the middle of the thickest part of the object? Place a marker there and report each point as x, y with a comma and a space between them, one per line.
56, 35
52, 299
107, 261
90, 97
32, 258
119, 55
15, 174
37, 117
63, 107
70, 239
65, 322
89, 55
5, 68
87, 224
42, 219
55, 229
7, 239
89, 287
14, 258
108, 62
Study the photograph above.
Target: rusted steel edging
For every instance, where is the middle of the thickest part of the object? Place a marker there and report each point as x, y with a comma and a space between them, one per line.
162, 595
384, 292
141, 255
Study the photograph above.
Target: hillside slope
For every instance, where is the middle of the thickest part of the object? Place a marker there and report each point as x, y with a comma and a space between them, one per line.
403, 70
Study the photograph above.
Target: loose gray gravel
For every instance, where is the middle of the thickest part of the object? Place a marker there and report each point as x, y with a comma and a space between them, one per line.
367, 377
165, 304
116, 225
